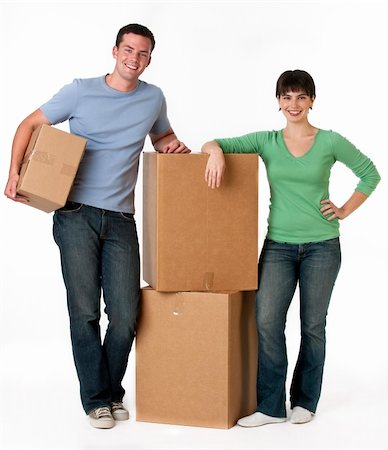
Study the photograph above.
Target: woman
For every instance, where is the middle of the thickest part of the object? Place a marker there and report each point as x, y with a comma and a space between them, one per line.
302, 243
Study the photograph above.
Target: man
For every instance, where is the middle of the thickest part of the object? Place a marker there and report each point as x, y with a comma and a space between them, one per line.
95, 230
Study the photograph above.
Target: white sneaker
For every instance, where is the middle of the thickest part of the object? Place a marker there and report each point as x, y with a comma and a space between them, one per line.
258, 419
301, 415
118, 411
101, 418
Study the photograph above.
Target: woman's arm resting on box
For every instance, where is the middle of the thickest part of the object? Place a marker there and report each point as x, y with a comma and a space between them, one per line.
215, 166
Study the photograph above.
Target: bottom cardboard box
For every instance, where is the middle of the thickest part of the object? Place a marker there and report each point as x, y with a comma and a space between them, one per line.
196, 358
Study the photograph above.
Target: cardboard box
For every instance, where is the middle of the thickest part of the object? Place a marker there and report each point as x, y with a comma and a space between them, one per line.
49, 167
196, 358
196, 238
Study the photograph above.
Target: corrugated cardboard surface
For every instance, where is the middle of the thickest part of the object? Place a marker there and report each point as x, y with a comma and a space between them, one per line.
49, 167
196, 238
196, 358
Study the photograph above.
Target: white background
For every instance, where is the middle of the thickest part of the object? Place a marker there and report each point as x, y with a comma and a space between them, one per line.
217, 63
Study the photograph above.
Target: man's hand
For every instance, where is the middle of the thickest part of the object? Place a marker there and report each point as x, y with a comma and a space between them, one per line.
168, 143
10, 189
175, 146
19, 146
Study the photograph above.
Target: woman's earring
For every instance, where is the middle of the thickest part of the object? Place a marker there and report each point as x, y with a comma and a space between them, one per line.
280, 109
311, 107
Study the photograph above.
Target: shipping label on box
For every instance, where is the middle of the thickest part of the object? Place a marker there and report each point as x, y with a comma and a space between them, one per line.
196, 358
49, 167
196, 238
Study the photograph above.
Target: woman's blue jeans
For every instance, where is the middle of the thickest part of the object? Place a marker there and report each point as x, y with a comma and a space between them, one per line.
99, 253
315, 266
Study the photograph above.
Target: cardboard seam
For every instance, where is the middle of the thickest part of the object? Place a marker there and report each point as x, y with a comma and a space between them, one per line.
157, 220
229, 356
207, 240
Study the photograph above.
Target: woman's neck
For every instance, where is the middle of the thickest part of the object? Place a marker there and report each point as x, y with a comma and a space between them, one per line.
299, 130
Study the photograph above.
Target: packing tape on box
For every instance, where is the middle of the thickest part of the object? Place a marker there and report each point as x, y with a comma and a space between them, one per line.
68, 170
43, 157
49, 159
209, 280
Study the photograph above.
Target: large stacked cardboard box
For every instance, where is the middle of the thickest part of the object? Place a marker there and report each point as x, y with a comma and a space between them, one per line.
49, 167
196, 238
196, 358
196, 345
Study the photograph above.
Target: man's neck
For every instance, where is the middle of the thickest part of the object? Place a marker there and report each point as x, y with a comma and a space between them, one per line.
119, 84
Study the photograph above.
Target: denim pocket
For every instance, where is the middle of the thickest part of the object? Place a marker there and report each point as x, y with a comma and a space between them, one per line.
70, 207
330, 242
127, 216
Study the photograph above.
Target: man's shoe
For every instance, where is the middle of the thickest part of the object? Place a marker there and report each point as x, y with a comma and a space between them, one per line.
118, 411
101, 418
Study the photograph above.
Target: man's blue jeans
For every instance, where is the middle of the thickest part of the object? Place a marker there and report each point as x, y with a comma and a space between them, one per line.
315, 266
99, 252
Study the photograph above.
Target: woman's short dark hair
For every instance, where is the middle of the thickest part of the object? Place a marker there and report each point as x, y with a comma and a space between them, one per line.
295, 80
135, 28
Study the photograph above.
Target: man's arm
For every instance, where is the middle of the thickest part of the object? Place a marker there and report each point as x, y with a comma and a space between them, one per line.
19, 146
168, 143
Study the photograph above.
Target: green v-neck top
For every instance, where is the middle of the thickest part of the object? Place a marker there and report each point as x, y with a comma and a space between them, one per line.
298, 184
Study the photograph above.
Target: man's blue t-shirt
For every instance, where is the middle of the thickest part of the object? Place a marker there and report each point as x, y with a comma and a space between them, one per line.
115, 125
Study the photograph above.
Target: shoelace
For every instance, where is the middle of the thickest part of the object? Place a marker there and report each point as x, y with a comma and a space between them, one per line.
104, 411
116, 405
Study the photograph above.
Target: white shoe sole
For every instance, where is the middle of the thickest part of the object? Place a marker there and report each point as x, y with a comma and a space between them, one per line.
120, 416
104, 424
252, 423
